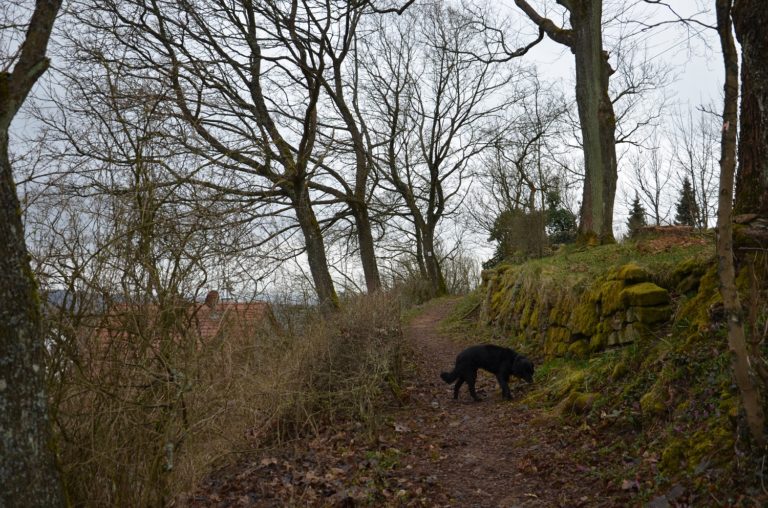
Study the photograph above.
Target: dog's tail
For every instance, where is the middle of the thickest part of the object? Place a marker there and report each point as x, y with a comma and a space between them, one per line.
449, 377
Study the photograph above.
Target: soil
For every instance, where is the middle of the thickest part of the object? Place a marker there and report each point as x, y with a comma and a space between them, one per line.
433, 450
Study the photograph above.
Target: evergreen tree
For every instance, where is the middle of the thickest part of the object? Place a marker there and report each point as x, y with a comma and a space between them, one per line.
636, 217
561, 222
687, 210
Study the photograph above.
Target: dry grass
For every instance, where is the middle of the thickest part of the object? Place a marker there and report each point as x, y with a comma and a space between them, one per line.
140, 419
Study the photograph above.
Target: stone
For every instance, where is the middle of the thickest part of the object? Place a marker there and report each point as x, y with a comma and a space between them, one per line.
649, 315
631, 333
632, 274
584, 319
610, 297
645, 294
617, 321
578, 349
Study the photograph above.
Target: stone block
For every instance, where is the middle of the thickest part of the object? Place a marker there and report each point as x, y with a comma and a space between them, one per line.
645, 294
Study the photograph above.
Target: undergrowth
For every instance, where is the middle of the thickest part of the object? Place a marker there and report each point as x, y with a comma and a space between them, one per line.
138, 421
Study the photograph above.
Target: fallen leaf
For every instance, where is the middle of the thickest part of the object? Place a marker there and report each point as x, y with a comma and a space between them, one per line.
630, 485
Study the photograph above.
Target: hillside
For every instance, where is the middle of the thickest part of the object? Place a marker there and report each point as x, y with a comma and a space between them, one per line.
630, 343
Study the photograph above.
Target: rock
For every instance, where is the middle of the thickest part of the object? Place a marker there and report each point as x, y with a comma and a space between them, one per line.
617, 321
584, 319
631, 333
578, 349
619, 370
610, 297
576, 402
649, 315
632, 274
645, 294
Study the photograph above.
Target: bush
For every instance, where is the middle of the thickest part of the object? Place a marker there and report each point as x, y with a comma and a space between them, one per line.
140, 414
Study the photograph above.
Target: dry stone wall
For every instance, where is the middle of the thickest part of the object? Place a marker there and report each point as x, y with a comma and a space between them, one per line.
618, 308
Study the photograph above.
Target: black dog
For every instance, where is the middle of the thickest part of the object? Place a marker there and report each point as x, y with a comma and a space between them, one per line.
497, 360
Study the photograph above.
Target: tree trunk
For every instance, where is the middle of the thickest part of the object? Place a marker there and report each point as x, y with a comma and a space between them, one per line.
432, 264
750, 17
313, 239
27, 473
731, 302
367, 250
28, 476
598, 123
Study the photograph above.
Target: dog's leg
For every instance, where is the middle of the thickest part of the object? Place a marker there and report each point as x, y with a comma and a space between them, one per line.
504, 384
457, 386
471, 378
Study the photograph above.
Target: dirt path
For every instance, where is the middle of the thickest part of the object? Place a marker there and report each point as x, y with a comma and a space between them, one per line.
494, 453
433, 451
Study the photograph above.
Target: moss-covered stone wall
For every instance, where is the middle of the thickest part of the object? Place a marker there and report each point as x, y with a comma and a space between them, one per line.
619, 307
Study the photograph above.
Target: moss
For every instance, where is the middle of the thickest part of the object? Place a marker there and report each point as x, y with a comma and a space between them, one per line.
578, 349
610, 297
709, 442
619, 370
729, 406
584, 319
576, 402
645, 294
570, 381
533, 322
632, 273
649, 315
598, 342
556, 342
652, 403
672, 457
686, 275
694, 311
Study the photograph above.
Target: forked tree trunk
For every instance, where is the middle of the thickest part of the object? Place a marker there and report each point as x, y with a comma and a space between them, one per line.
737, 343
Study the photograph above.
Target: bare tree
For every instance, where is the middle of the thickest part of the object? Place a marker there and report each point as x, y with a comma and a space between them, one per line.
651, 176
694, 151
27, 475
248, 103
431, 113
519, 172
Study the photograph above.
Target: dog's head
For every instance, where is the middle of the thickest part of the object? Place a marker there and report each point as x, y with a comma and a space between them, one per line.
523, 368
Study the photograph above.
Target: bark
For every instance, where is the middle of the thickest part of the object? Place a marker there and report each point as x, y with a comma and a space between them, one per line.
432, 263
596, 114
28, 476
731, 301
313, 240
750, 17
356, 199
367, 250
598, 123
